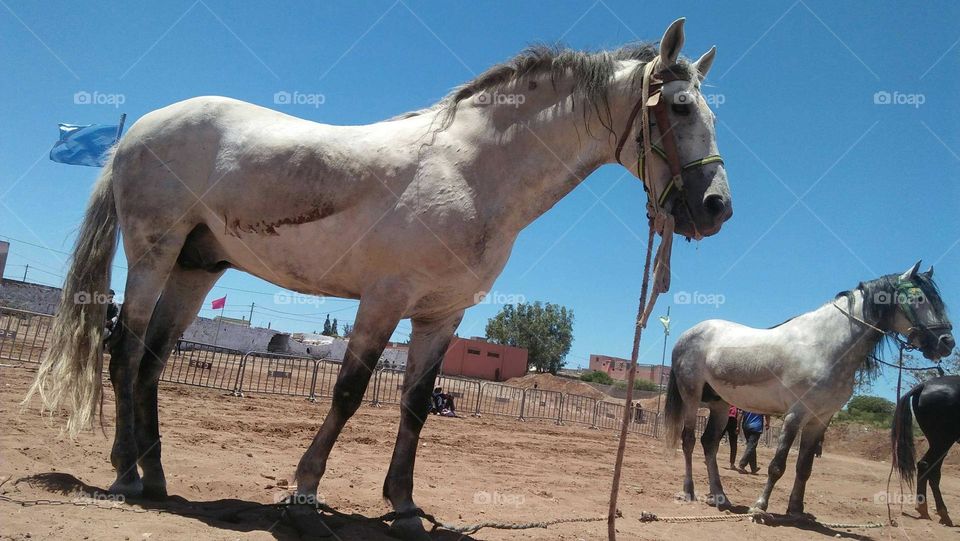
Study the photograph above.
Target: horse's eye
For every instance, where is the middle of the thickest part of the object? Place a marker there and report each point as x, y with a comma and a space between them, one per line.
681, 109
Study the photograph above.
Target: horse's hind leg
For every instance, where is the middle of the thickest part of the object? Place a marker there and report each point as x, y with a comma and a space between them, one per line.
178, 305
688, 442
427, 346
809, 440
380, 310
710, 440
145, 280
792, 422
934, 459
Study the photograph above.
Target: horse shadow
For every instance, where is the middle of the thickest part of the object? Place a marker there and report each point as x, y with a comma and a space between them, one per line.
234, 514
775, 520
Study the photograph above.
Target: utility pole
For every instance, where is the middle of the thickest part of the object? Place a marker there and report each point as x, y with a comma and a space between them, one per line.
25, 272
251, 314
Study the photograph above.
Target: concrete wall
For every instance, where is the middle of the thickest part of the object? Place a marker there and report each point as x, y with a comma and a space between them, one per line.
618, 368
27, 296
484, 360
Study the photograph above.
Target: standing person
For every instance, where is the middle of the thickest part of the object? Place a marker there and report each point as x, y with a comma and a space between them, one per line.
752, 425
732, 430
113, 314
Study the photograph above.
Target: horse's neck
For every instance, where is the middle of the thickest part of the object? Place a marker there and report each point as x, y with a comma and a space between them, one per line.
533, 154
852, 339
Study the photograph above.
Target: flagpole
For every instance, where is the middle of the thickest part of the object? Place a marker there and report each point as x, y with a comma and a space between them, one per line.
663, 358
219, 323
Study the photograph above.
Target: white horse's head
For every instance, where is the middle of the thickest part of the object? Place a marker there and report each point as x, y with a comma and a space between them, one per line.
701, 202
921, 315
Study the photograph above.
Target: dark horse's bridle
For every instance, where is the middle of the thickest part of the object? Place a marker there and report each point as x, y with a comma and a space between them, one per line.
652, 100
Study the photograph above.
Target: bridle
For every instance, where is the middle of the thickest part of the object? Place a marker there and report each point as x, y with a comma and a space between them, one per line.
651, 100
906, 293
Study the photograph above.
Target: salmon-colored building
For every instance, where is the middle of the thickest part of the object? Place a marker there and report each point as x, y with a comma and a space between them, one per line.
618, 368
477, 358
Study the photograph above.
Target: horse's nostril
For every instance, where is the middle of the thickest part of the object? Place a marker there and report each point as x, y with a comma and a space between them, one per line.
715, 204
947, 341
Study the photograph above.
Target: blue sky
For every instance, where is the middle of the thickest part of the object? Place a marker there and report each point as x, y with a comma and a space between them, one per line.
829, 187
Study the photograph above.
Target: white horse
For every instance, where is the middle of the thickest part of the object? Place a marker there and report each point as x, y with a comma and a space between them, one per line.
803, 369
413, 216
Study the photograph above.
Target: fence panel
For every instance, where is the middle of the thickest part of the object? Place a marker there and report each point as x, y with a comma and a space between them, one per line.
609, 415
540, 404
386, 387
578, 409
465, 392
203, 365
23, 335
643, 422
497, 399
276, 373
327, 373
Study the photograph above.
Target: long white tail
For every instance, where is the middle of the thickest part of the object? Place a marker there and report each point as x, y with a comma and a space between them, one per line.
70, 371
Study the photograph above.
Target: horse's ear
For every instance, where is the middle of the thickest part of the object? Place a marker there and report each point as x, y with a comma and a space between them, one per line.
672, 42
930, 272
911, 272
704, 63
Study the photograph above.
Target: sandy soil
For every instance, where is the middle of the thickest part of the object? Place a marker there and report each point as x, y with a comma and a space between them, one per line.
226, 456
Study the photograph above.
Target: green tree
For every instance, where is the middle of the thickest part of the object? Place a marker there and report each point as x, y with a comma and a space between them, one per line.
326, 327
866, 409
950, 365
544, 329
596, 376
347, 330
333, 328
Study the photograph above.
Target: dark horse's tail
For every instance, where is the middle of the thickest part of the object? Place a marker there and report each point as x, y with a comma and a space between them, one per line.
673, 411
901, 437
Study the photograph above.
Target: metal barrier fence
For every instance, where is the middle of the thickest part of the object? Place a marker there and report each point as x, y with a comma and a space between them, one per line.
276, 373
503, 400
579, 409
23, 335
541, 404
203, 365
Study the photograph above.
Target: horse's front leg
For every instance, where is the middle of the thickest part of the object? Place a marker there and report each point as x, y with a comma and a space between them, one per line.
791, 425
427, 346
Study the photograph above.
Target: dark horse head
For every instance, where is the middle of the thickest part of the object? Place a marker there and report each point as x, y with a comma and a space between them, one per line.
910, 304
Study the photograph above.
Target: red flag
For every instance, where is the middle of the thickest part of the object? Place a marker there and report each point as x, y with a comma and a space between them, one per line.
218, 303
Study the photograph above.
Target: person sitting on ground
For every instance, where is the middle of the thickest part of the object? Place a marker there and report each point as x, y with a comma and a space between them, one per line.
113, 313
752, 425
442, 403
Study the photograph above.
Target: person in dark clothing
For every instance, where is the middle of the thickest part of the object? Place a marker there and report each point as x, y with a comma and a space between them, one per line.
113, 312
732, 430
442, 403
752, 425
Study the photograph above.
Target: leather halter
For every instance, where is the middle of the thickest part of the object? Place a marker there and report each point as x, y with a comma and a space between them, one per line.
669, 151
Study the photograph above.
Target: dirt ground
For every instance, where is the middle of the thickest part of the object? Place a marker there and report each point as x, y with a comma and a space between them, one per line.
225, 457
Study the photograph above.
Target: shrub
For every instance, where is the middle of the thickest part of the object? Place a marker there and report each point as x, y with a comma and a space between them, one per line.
638, 385
596, 376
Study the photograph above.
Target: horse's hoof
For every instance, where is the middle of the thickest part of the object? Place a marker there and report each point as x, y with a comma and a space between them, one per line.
720, 501
155, 491
409, 529
800, 515
130, 489
922, 511
945, 520
306, 521
760, 516
685, 497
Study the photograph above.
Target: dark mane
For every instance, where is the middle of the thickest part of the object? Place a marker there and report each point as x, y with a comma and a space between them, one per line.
592, 72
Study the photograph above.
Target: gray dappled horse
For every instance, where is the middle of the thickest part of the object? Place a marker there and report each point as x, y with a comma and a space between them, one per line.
414, 216
803, 369
936, 403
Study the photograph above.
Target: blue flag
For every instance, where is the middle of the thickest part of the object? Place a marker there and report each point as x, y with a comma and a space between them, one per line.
84, 145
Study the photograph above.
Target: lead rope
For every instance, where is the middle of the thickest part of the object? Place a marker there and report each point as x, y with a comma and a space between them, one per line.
660, 221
